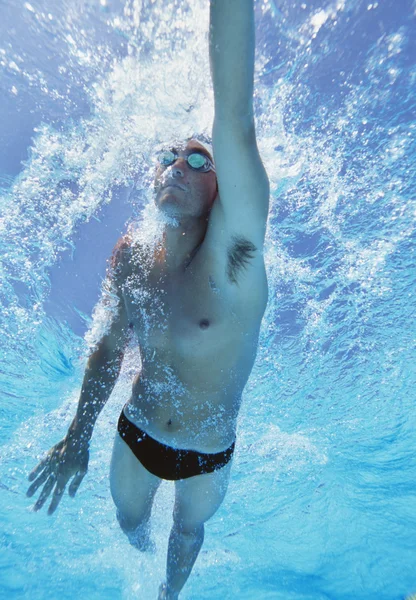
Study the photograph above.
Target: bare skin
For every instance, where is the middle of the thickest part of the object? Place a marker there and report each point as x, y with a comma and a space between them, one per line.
195, 302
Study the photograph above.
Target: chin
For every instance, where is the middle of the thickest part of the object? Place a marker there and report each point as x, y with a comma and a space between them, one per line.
169, 212
169, 220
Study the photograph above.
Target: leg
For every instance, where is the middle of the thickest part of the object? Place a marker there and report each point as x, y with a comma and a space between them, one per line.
133, 489
196, 500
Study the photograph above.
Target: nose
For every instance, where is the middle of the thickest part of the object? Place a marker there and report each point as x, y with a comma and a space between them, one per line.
177, 168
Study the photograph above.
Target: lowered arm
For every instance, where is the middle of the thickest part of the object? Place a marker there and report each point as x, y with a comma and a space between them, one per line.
69, 457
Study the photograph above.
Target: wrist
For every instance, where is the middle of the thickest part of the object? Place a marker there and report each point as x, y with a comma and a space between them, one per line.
78, 438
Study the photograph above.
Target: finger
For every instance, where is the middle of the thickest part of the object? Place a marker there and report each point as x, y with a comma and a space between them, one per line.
41, 479
58, 493
35, 472
76, 482
45, 492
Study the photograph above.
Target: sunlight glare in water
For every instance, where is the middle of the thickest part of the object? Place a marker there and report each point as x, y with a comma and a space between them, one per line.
322, 494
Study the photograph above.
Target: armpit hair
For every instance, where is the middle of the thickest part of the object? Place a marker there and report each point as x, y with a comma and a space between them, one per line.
240, 253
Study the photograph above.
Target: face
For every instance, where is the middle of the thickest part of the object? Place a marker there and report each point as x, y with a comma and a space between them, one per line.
180, 191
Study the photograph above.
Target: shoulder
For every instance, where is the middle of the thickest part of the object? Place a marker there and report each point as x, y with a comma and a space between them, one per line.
120, 250
129, 255
120, 259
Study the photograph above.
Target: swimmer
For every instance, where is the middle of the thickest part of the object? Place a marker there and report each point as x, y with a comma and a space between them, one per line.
195, 303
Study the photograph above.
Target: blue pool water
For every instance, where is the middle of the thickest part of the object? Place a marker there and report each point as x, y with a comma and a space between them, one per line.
322, 500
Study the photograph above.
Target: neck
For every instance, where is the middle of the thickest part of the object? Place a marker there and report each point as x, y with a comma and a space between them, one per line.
180, 242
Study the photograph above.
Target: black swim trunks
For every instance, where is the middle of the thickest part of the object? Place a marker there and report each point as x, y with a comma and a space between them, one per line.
166, 462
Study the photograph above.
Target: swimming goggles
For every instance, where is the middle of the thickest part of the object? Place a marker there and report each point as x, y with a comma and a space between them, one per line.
196, 160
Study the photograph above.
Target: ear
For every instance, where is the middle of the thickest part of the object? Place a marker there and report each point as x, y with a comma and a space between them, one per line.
216, 198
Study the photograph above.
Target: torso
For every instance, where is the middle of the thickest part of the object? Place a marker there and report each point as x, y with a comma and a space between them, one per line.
198, 335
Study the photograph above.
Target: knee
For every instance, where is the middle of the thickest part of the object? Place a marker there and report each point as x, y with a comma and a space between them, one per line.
190, 531
126, 522
137, 531
189, 538
190, 519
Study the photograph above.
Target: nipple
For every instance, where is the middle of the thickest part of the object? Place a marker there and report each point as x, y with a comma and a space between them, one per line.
204, 323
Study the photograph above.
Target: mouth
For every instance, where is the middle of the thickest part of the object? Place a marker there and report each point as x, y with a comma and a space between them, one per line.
175, 185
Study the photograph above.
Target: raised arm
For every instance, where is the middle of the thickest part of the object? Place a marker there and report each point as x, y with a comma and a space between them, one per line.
232, 60
69, 458
242, 181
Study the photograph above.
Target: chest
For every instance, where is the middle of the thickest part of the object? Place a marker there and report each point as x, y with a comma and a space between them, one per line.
183, 314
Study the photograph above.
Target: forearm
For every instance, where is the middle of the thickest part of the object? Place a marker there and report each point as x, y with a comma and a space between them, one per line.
100, 376
232, 43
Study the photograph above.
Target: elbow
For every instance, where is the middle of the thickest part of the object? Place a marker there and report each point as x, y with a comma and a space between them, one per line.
239, 126
106, 356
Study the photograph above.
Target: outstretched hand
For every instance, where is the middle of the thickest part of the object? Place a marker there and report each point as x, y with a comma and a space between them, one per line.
65, 460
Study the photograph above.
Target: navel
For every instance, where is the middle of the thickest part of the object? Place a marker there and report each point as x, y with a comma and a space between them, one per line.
204, 323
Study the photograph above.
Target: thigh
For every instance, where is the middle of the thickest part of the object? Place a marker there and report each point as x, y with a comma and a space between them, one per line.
132, 486
198, 498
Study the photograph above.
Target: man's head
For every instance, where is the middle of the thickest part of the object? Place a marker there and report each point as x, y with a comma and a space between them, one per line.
182, 189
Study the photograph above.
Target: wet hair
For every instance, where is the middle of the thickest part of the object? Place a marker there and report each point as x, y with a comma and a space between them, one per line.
176, 142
